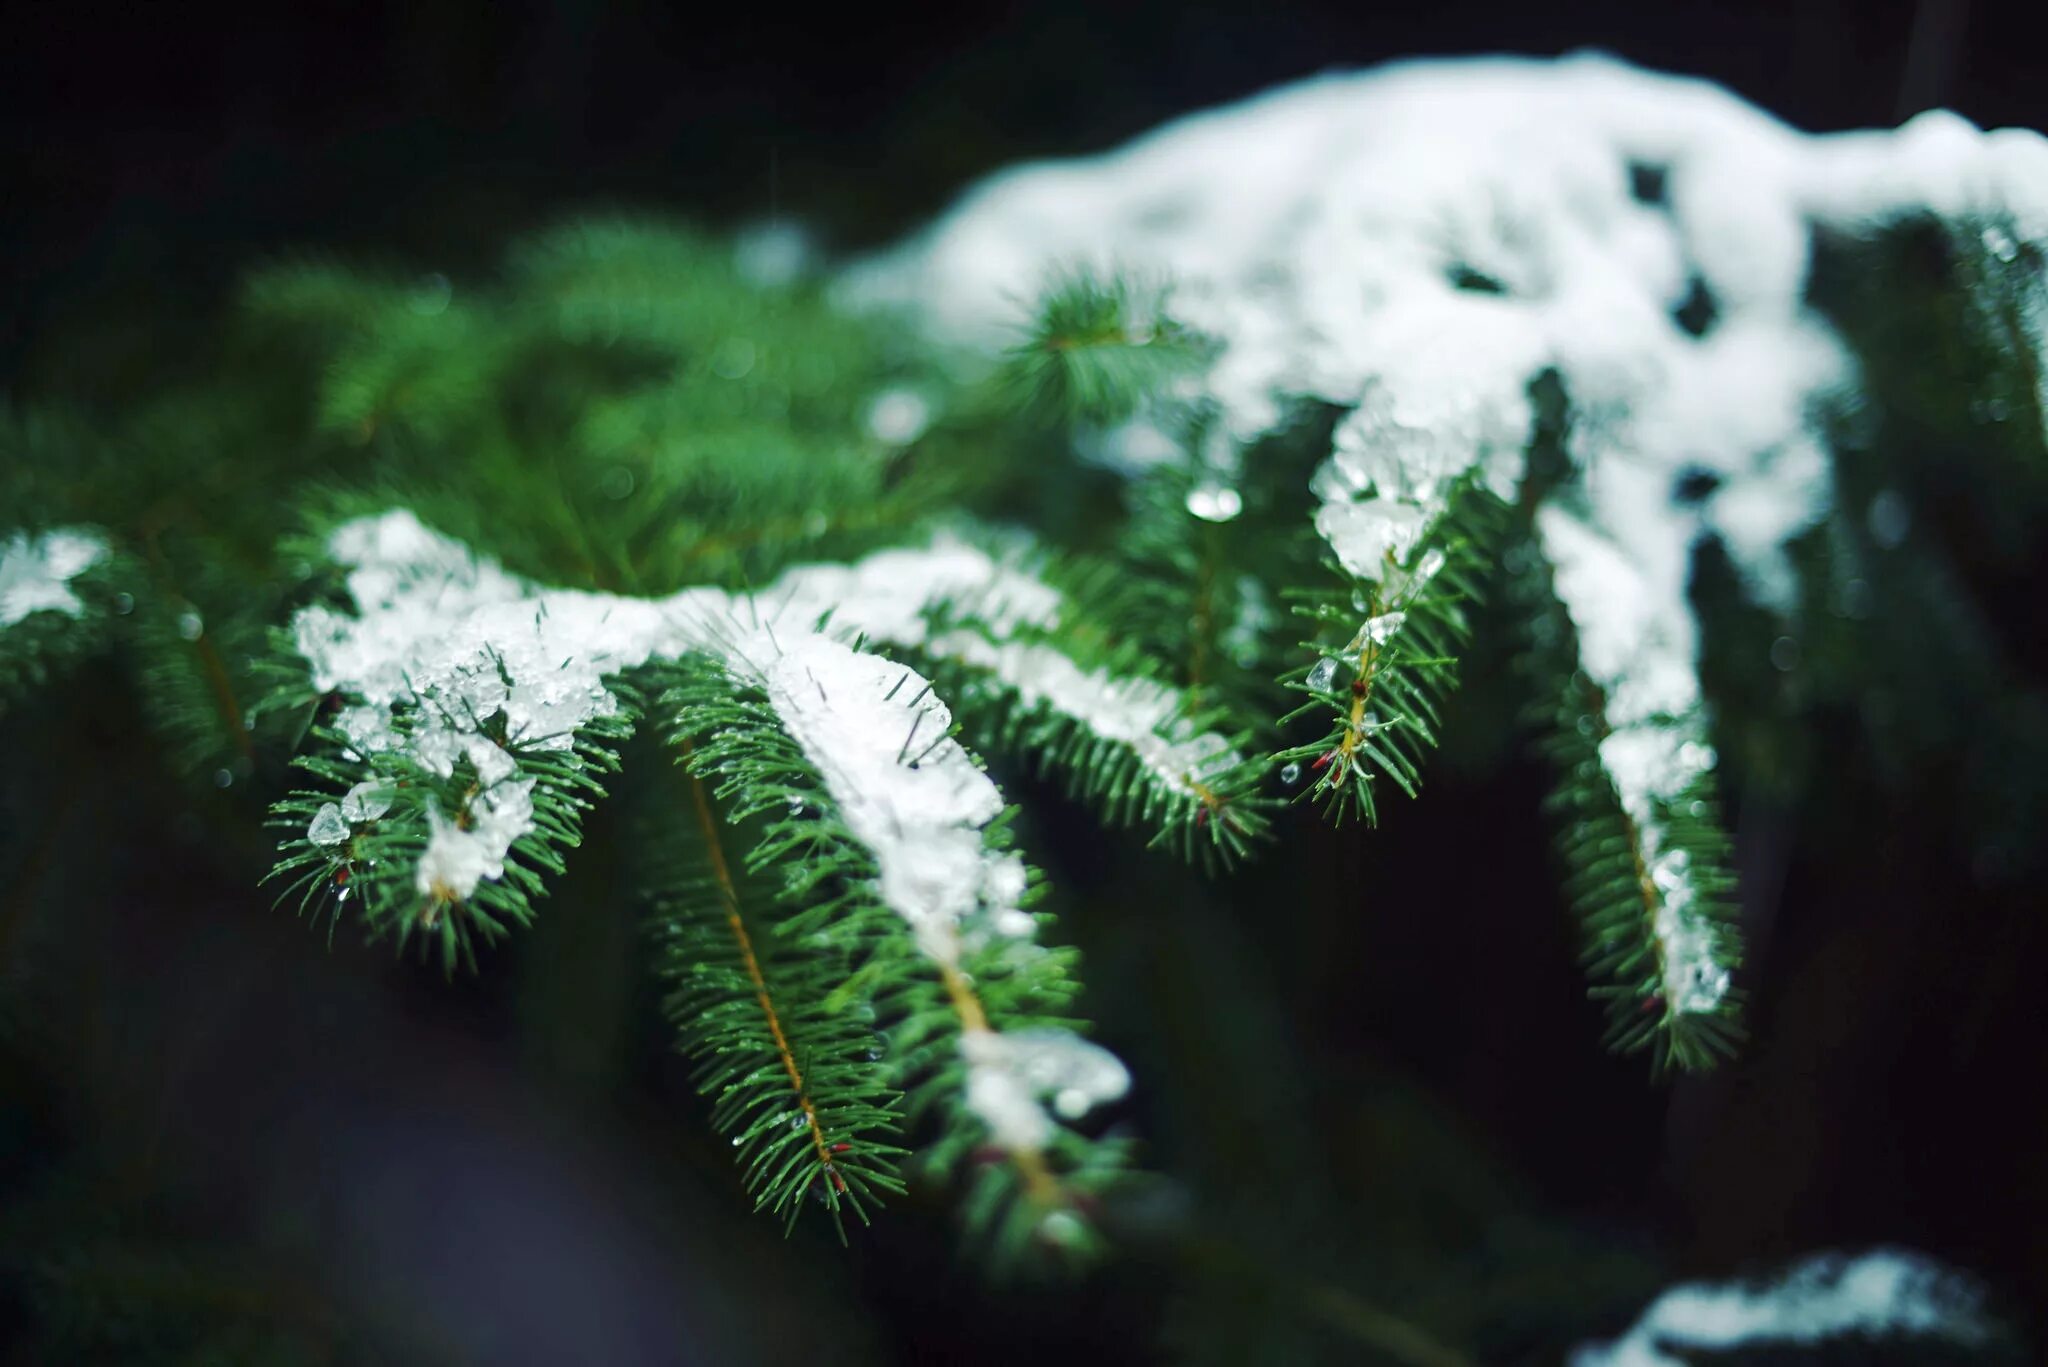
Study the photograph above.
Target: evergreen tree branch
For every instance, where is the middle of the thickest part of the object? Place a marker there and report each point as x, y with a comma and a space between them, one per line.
755, 1055
1653, 896
1383, 687
949, 996
1098, 349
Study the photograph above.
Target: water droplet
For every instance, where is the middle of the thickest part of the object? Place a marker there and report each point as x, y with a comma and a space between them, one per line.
898, 417
1072, 1102
1889, 518
1214, 502
616, 483
1785, 653
191, 625
2000, 243
124, 603
1323, 674
223, 778
796, 806
1291, 774
796, 1120
327, 827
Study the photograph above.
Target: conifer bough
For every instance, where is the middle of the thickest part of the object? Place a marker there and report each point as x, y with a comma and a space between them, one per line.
1350, 355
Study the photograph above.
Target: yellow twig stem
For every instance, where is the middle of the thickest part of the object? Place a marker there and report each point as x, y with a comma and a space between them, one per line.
1039, 1182
722, 873
1361, 694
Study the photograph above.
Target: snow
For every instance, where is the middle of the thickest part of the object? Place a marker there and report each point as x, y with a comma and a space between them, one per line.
888, 597
459, 856
471, 651
36, 571
1322, 230
908, 792
1883, 1293
1010, 1074
1421, 242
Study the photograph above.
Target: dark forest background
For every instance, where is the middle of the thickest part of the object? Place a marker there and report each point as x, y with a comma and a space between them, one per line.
1387, 1030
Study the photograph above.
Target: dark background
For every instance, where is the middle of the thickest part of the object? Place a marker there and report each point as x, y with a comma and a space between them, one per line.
510, 1168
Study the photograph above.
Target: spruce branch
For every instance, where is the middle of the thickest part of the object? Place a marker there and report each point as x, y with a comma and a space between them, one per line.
770, 1023
1651, 890
948, 997
376, 835
1076, 697
1386, 654
1099, 348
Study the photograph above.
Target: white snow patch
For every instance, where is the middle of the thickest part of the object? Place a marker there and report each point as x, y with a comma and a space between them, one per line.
907, 790
1883, 1293
36, 571
459, 857
1010, 1076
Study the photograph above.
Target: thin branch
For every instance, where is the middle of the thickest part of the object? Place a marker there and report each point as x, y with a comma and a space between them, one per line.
721, 871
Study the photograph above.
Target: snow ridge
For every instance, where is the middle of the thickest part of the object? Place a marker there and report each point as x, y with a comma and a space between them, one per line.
1422, 242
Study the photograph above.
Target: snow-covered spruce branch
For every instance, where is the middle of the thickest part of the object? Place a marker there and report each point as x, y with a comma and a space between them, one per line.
473, 713
1428, 249
1639, 831
1398, 300
882, 823
1385, 656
